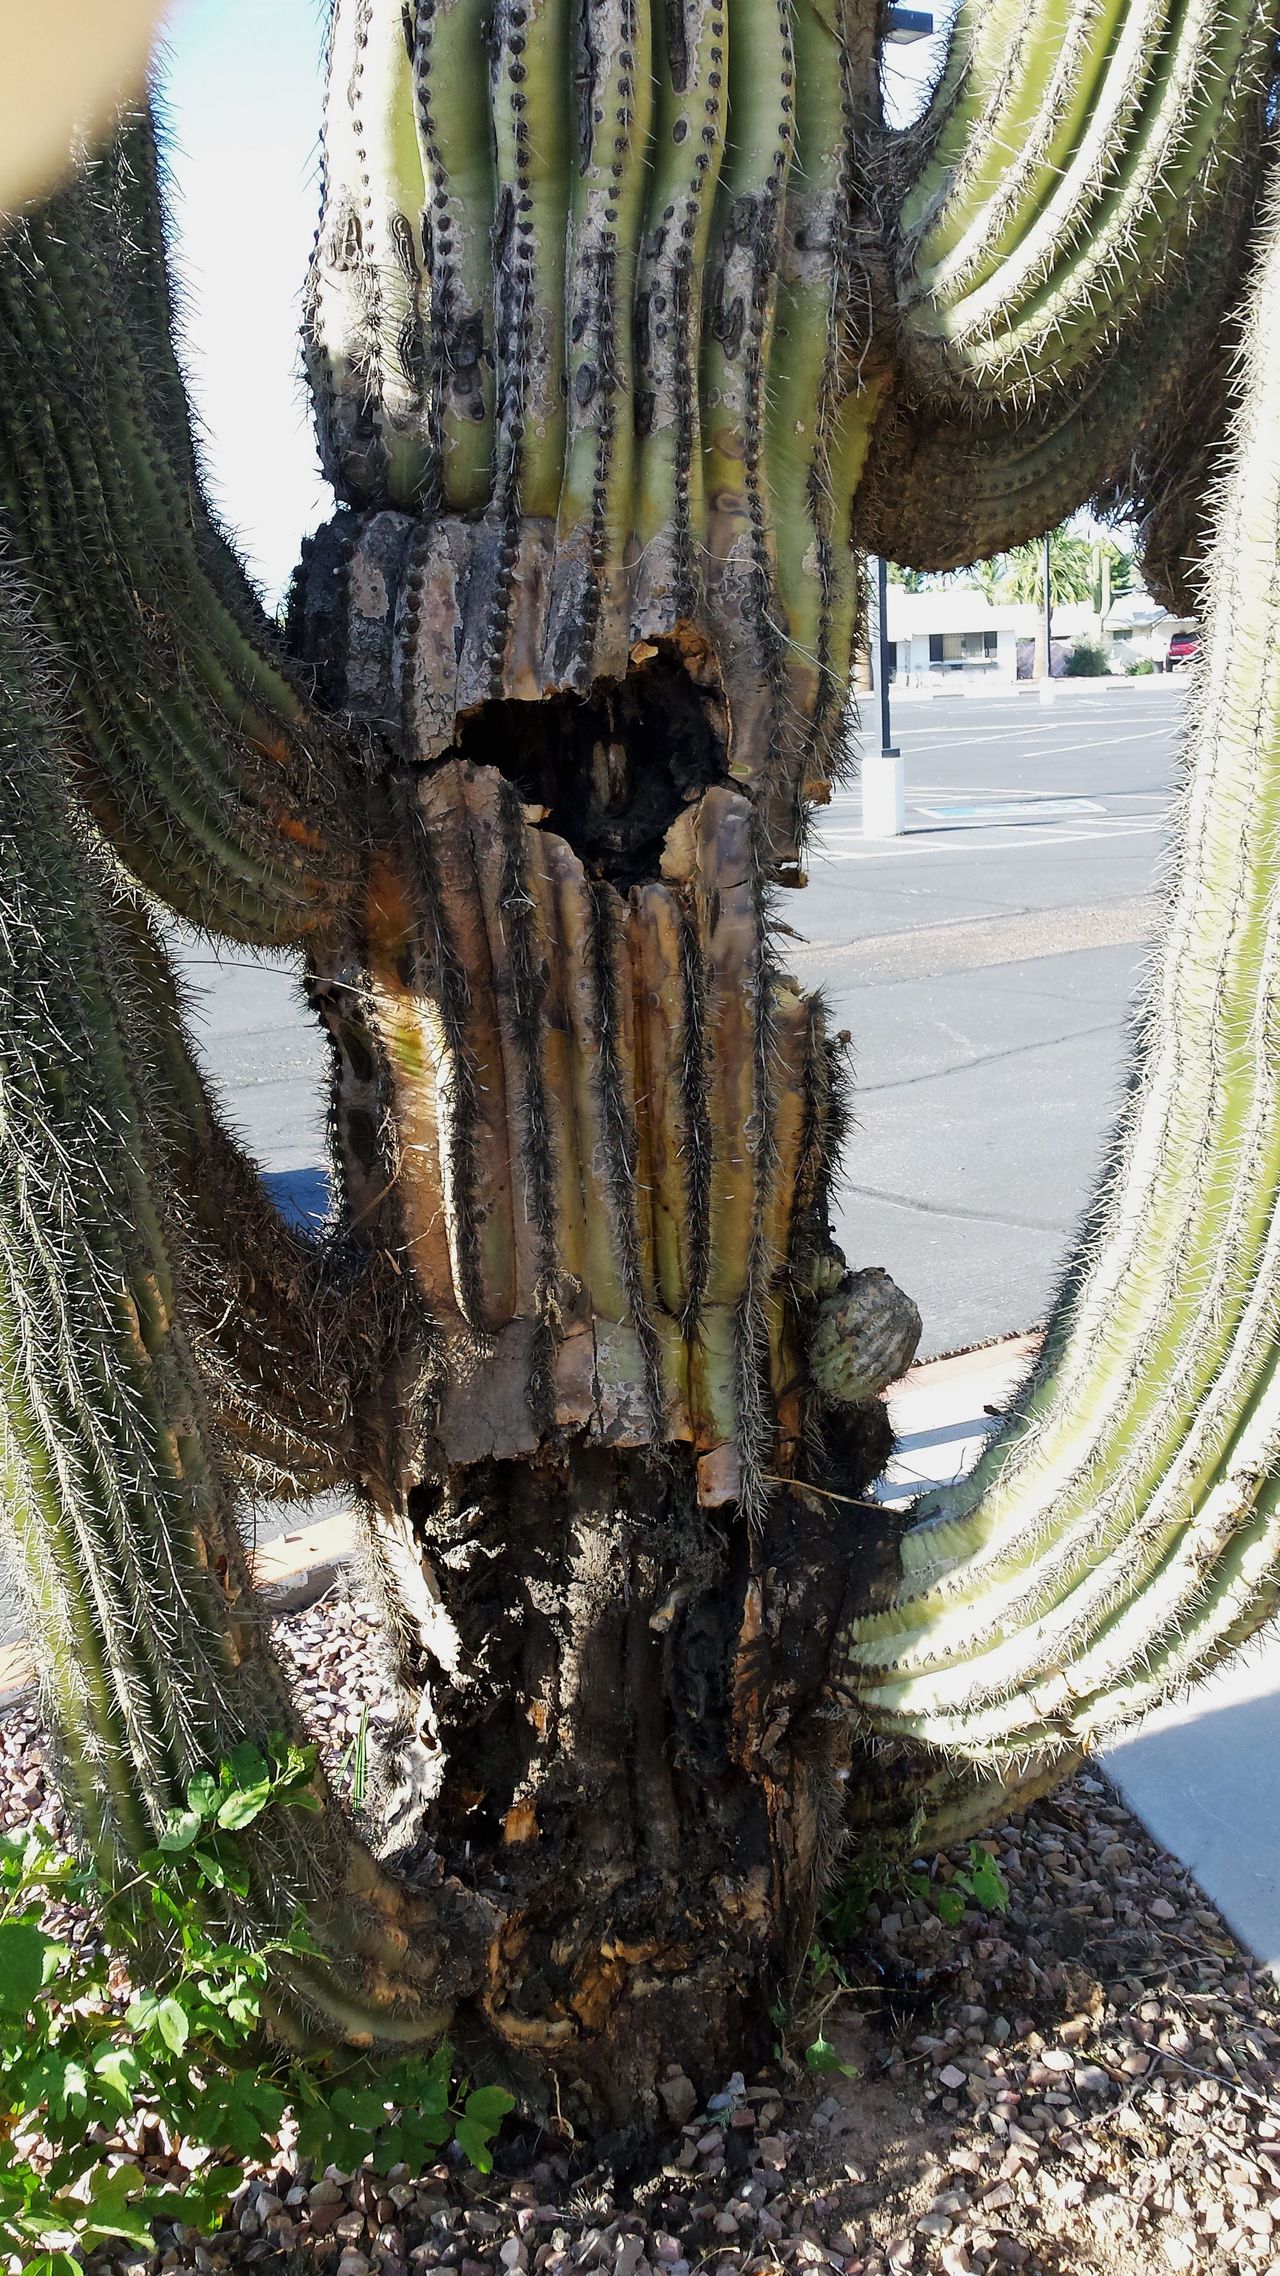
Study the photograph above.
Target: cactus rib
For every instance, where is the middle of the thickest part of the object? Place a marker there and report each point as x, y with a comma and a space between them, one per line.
451, 90
363, 327
1106, 1548
690, 52
590, 611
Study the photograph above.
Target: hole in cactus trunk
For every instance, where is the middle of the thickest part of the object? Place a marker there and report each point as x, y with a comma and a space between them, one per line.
614, 768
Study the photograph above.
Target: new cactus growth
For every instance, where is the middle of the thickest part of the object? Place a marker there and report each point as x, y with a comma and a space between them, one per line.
627, 329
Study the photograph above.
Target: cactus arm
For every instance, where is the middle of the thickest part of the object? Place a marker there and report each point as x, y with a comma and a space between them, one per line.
269, 1310
1130, 129
982, 53
1123, 1531
151, 1648
942, 489
976, 198
1170, 482
219, 785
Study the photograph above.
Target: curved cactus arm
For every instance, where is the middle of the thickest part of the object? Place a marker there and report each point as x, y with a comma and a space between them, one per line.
944, 488
1170, 483
151, 1648
1059, 192
204, 762
1124, 1530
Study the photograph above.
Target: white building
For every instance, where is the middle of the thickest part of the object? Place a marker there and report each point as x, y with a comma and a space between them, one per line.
953, 632
949, 630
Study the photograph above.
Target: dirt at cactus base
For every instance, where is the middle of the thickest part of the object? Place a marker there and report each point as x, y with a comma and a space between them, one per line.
1086, 2082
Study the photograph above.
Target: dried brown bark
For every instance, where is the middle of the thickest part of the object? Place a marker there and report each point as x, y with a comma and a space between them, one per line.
589, 1123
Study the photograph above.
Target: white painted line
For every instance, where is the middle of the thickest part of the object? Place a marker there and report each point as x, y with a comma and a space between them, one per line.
992, 843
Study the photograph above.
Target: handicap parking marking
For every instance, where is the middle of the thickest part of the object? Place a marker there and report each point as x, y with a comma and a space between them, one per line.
1033, 808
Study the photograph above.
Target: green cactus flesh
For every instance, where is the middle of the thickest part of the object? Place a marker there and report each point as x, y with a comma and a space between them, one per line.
1120, 1535
223, 790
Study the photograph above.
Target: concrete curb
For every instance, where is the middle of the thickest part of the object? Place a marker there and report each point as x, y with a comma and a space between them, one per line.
1027, 691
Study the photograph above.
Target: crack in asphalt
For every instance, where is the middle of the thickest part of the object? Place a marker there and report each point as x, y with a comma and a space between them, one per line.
986, 1059
973, 1216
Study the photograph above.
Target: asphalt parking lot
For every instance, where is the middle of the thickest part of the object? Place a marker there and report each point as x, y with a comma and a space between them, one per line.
984, 964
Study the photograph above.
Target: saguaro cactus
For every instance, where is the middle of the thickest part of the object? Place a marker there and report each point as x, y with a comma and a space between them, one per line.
626, 328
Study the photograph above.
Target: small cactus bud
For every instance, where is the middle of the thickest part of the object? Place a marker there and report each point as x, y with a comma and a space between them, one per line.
866, 1336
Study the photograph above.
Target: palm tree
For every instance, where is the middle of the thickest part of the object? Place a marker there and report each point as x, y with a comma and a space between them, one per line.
628, 330
1072, 569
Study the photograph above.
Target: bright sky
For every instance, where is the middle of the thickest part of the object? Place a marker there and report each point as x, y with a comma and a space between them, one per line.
243, 90
243, 86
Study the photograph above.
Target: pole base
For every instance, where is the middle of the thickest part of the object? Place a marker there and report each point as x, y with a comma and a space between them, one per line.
884, 795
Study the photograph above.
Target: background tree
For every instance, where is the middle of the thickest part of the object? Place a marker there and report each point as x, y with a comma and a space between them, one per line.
626, 330
1072, 563
917, 580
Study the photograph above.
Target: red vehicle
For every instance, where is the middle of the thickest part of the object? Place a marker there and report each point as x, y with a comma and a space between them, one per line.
1184, 647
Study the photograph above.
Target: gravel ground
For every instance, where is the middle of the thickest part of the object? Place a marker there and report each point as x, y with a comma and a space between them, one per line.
1084, 2082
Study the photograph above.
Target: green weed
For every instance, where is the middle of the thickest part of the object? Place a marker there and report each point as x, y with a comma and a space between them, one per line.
89, 2045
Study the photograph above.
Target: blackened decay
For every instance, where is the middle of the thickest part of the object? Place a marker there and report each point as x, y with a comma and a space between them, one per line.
613, 769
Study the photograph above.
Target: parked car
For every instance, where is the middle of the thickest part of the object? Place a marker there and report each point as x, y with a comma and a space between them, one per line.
1184, 647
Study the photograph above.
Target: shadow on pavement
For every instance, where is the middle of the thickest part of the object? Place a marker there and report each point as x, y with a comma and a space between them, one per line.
302, 1196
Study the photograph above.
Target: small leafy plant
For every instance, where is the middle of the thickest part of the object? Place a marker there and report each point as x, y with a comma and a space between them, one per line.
1086, 662
826, 1980
89, 2056
981, 1884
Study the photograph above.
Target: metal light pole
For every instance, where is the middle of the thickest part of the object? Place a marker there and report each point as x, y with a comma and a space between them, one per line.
888, 750
884, 787
1046, 685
